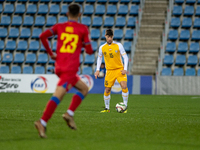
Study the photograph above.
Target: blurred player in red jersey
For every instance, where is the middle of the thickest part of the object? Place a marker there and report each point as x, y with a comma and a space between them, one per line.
72, 36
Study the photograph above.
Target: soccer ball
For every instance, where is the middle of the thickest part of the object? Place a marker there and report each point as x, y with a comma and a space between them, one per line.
120, 107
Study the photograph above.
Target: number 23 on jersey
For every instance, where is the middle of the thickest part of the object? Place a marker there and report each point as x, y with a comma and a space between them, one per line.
69, 42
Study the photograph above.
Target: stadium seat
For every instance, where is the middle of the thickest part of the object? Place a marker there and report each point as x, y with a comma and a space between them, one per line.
51, 61
25, 33
10, 45
131, 22
127, 46
168, 60
182, 47
50, 70
95, 33
192, 60
13, 33
86, 21
7, 58
4, 69
124, 1
129, 34
198, 11
134, 10
5, 20
166, 72
190, 72
100, 10
178, 72
87, 70
79, 1
194, 47
27, 70
111, 10
196, 23
89, 59
68, 1
51, 20
108, 22
30, 58
36, 32
23, 1
189, 10
3, 32
1, 46
196, 35
20, 9
22, 46
187, 22
43, 9
16, 20
184, 35
64, 9
94, 45
16, 70
34, 46
118, 34
81, 58
198, 72
101, 1
170, 47
177, 10
113, 1
88, 10
31, 9
198, 1
120, 22
54, 9
103, 34
42, 58
180, 60
62, 19
173, 34
97, 21
8, 9
90, 1
54, 45
39, 70
123, 10
135, 1
1, 8
175, 22
39, 21
28, 21
179, 1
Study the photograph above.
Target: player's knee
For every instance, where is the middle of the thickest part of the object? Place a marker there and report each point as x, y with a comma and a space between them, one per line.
85, 91
125, 90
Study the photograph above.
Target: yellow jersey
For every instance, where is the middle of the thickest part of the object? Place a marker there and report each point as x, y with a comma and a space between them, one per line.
112, 55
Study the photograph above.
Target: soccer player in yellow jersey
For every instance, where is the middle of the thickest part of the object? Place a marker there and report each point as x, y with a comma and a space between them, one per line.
115, 69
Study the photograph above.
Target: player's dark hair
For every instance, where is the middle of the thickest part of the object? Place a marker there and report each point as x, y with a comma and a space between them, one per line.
74, 9
109, 32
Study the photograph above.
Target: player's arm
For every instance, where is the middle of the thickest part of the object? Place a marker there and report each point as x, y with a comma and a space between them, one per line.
124, 55
99, 61
87, 42
44, 39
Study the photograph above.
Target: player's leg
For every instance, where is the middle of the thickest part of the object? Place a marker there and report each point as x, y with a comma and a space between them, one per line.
49, 110
107, 99
125, 92
109, 81
76, 101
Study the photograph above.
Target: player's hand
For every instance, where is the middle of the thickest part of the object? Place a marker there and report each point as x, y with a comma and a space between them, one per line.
53, 57
123, 72
96, 74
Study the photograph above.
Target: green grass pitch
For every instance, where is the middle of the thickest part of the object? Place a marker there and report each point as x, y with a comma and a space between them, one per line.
152, 123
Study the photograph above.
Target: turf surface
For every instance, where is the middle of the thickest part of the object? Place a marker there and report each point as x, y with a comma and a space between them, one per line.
152, 123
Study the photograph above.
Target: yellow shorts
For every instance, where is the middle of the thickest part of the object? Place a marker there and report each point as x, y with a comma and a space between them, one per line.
112, 75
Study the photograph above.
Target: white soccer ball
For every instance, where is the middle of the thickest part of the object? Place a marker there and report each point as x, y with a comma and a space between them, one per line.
120, 107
